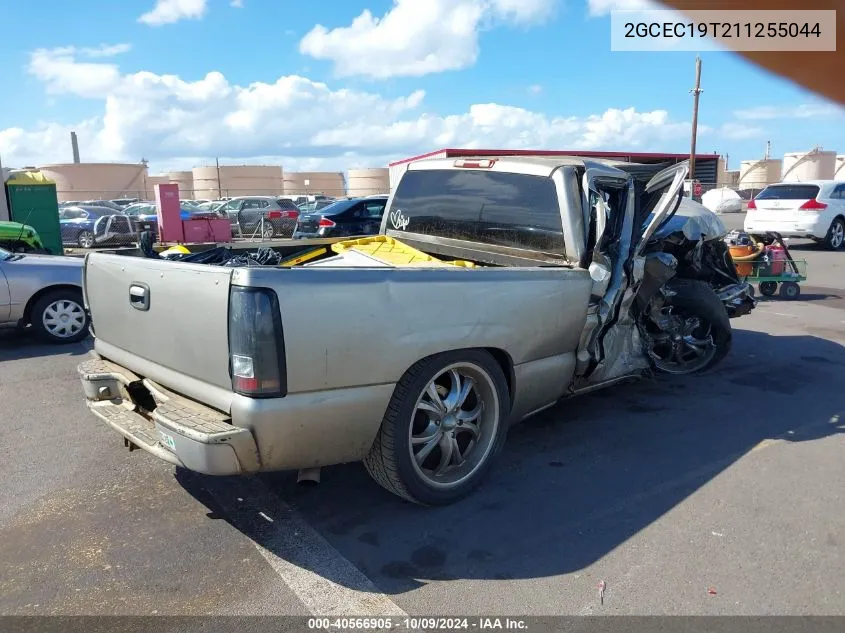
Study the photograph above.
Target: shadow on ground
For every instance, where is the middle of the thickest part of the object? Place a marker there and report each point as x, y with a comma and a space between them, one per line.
16, 344
574, 482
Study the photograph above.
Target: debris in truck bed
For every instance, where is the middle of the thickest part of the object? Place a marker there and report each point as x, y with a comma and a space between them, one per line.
225, 256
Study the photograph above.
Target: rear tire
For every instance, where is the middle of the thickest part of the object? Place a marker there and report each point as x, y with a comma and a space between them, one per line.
414, 454
835, 238
85, 239
60, 317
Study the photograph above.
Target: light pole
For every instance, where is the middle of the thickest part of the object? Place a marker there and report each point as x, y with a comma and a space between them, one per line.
696, 92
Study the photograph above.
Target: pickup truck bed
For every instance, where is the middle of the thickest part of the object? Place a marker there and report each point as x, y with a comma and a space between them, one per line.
348, 337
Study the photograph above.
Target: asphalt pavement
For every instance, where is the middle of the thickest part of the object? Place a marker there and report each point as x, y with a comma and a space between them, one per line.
722, 493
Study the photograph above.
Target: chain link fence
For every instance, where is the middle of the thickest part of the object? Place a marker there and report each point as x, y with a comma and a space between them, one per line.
107, 219
116, 219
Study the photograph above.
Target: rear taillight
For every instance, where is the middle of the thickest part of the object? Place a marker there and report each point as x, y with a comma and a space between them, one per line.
256, 343
813, 205
325, 223
290, 215
752, 205
274, 215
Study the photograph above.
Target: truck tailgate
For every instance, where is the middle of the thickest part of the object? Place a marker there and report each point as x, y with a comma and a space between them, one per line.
174, 315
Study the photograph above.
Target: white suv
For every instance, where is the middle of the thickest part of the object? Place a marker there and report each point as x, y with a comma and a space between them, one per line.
814, 209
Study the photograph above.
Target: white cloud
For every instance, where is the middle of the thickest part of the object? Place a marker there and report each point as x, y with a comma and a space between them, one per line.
802, 111
174, 122
740, 131
535, 89
62, 73
170, 11
415, 38
238, 4
604, 7
105, 50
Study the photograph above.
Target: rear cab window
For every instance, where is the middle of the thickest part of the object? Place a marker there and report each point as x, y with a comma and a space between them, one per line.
789, 192
497, 208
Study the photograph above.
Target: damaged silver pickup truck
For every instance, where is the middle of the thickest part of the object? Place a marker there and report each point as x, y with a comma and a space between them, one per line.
496, 289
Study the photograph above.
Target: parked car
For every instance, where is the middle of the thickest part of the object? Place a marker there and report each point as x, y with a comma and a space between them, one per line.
358, 216
101, 203
813, 209
125, 202
17, 237
77, 224
267, 216
534, 280
44, 291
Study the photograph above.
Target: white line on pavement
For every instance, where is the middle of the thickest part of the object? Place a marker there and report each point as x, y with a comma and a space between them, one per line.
320, 576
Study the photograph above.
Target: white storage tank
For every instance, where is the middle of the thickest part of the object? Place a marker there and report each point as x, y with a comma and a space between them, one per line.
368, 182
327, 183
97, 181
237, 180
185, 180
839, 170
756, 174
816, 164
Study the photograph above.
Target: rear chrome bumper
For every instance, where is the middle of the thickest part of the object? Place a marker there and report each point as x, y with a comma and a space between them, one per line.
177, 430
796, 227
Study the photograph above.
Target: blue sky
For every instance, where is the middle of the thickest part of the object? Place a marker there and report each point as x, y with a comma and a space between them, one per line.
179, 82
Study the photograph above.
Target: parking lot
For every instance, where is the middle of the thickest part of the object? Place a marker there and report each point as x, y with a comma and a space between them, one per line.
716, 494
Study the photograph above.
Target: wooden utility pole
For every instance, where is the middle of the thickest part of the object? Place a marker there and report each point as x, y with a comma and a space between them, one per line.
219, 186
695, 93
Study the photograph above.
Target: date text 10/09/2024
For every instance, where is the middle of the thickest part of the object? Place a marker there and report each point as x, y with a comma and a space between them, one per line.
418, 624
722, 29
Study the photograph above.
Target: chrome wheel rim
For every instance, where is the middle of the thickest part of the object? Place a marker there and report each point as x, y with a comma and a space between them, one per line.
683, 345
454, 425
86, 240
837, 234
268, 231
63, 318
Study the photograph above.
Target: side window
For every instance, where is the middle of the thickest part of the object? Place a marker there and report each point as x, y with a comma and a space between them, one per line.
375, 209
839, 193
232, 205
252, 204
264, 204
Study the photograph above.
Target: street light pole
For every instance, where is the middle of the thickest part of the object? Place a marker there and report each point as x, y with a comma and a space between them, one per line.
696, 92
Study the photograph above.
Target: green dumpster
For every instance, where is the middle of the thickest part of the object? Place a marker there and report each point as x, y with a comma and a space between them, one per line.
33, 201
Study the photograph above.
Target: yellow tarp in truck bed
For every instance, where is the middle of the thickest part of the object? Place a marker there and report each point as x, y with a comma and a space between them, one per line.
393, 252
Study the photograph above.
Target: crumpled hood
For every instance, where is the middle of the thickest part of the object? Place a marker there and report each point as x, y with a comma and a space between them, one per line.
695, 221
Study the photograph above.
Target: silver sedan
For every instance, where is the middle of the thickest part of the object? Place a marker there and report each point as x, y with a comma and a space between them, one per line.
44, 291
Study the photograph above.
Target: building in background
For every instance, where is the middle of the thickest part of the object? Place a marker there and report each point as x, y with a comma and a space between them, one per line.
754, 175
152, 181
816, 164
839, 171
97, 181
368, 182
237, 180
185, 180
706, 165
327, 183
